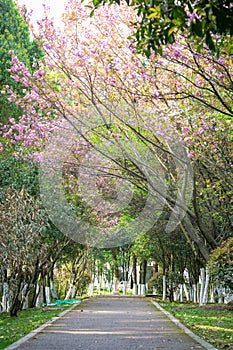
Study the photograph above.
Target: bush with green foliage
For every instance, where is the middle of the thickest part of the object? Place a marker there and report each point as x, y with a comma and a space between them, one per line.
156, 281
221, 264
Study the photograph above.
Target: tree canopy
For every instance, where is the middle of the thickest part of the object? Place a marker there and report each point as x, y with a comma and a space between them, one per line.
14, 35
161, 21
149, 103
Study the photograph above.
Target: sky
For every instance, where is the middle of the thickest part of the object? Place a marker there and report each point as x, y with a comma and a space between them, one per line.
56, 6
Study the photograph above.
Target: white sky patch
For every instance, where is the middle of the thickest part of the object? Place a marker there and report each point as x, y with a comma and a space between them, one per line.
56, 8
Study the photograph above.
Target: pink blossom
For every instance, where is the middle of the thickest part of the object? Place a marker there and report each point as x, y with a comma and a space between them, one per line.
191, 155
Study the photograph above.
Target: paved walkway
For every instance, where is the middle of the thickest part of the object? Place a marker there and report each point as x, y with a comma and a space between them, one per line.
112, 323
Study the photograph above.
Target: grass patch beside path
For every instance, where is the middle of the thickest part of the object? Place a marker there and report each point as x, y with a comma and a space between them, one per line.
213, 322
14, 328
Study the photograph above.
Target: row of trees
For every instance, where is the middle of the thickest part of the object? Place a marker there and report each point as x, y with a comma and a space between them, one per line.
140, 148
32, 250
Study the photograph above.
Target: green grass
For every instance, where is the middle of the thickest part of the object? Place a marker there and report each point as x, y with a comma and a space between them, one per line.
14, 328
213, 322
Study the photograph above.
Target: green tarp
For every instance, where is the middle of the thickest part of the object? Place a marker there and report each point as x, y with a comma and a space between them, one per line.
62, 302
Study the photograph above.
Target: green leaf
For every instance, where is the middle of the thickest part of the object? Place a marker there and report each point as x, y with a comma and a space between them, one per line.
196, 28
152, 15
171, 30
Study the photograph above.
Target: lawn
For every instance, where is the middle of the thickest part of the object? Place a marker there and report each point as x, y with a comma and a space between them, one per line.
14, 328
213, 322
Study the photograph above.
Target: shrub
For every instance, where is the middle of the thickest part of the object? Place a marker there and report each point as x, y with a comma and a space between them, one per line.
221, 264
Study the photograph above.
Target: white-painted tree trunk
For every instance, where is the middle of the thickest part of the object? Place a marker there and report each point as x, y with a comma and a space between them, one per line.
39, 293
124, 287
53, 290
212, 295
198, 292
25, 303
220, 294
114, 286
39, 298
142, 289
135, 289
25, 297
98, 288
90, 290
109, 287
186, 293
10, 300
5, 297
195, 288
71, 292
47, 294
202, 281
204, 277
206, 287
181, 293
164, 287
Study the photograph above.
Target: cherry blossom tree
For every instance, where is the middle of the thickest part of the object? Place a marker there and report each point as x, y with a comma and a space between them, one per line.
113, 97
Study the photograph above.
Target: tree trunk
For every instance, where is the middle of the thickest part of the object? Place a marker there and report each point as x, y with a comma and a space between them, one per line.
34, 295
134, 275
198, 292
15, 306
25, 292
186, 292
114, 286
181, 293
90, 290
220, 294
124, 287
206, 288
143, 268
70, 292
193, 235
202, 278
44, 293
47, 294
5, 297
195, 293
164, 287
212, 295
53, 290
52, 285
171, 292
142, 280
39, 294
116, 272
17, 299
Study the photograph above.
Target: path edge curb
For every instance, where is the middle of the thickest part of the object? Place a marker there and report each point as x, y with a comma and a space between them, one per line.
32, 334
184, 328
